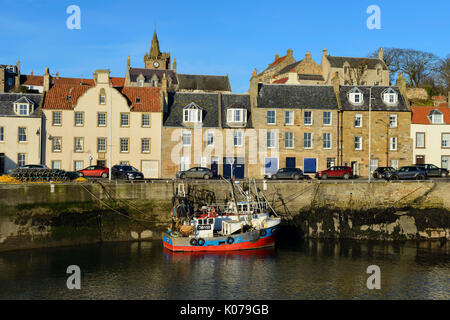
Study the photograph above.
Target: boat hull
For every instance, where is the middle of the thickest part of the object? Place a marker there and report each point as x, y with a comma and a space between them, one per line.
250, 240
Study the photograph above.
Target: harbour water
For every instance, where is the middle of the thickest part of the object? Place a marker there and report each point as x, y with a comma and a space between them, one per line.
300, 269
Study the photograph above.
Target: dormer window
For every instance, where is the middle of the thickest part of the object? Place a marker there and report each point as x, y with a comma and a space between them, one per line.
23, 107
192, 113
154, 83
436, 117
390, 97
236, 115
138, 100
356, 96
140, 83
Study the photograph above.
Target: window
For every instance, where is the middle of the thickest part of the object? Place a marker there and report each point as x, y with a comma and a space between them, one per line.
210, 138
330, 162
437, 117
289, 118
445, 162
154, 83
345, 70
78, 144
185, 163
393, 143
124, 163
394, 164
2, 134
79, 118
22, 134
307, 140
270, 139
358, 120
390, 97
21, 159
101, 144
102, 99
420, 139
236, 115
237, 138
289, 140
56, 144
378, 71
124, 145
192, 113
124, 119
141, 83
373, 165
358, 143
186, 138
445, 140
307, 118
56, 118
145, 145
56, 164
77, 165
327, 118
327, 140
271, 117
355, 96
23, 109
393, 121
145, 120
101, 119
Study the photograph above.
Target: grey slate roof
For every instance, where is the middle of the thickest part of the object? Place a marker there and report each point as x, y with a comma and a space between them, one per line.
203, 82
288, 68
148, 74
7, 103
206, 101
296, 96
377, 103
316, 77
338, 62
238, 101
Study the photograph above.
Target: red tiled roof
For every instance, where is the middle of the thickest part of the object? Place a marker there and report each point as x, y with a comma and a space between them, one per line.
282, 80
56, 97
150, 100
277, 61
31, 80
39, 81
420, 114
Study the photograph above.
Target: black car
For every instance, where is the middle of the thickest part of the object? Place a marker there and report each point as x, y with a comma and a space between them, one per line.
126, 172
287, 173
410, 172
433, 171
380, 172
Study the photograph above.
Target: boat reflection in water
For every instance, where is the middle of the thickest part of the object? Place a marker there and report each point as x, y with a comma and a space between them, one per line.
181, 257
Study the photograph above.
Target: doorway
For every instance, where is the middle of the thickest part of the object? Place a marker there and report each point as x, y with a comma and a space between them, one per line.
420, 159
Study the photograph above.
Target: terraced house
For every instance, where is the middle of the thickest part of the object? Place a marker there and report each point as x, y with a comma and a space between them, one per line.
20, 130
300, 124
102, 124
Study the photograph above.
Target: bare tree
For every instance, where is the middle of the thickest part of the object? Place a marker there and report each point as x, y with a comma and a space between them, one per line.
357, 72
444, 74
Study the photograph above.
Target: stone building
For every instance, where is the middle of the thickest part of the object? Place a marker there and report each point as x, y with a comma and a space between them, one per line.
20, 130
390, 120
9, 77
203, 129
355, 71
158, 66
99, 124
430, 132
299, 124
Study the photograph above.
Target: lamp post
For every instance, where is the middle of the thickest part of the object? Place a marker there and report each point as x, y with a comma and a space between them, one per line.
110, 130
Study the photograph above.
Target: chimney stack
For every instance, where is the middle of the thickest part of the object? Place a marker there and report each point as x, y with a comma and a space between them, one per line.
276, 56
308, 56
380, 54
289, 52
324, 52
174, 65
46, 80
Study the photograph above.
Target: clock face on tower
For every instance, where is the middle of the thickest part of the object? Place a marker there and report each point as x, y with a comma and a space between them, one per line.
156, 64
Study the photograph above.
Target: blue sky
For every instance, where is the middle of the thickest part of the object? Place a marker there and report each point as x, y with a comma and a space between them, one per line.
211, 37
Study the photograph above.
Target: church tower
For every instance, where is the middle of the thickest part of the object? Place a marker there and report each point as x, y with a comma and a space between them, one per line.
156, 59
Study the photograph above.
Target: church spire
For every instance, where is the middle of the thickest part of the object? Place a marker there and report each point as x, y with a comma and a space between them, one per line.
154, 49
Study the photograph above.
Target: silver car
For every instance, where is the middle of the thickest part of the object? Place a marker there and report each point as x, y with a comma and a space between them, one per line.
195, 173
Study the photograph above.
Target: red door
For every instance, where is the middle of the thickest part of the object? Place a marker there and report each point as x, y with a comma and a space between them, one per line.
420, 159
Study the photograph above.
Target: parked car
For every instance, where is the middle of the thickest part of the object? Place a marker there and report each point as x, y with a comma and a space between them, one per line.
195, 173
29, 166
126, 172
286, 173
433, 171
335, 172
94, 171
380, 172
408, 172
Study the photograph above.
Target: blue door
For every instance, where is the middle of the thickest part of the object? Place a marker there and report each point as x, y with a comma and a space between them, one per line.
271, 165
290, 162
309, 165
215, 166
227, 165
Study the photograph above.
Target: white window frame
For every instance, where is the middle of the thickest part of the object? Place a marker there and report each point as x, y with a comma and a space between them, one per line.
324, 140
274, 117
143, 150
447, 141
360, 117
305, 134
54, 122
417, 140
56, 164
331, 118
140, 83
304, 118
192, 113
210, 139
75, 165
82, 118
393, 143
122, 119
437, 118
25, 111
98, 119
394, 163
289, 137
102, 99
395, 124
144, 123
98, 144
75, 146
23, 134
289, 118
237, 115
359, 141
123, 145
54, 145
237, 138
270, 139
186, 138
21, 161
